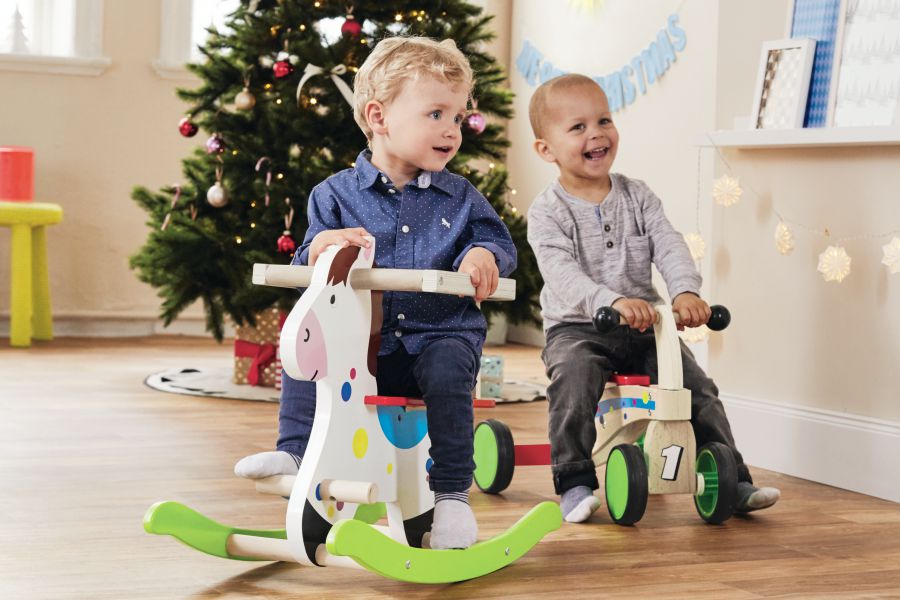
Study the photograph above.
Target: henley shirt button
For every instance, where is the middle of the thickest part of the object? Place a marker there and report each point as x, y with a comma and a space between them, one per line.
606, 228
401, 316
609, 244
398, 333
405, 229
383, 179
392, 191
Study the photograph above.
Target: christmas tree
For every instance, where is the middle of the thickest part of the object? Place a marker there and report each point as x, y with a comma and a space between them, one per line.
273, 101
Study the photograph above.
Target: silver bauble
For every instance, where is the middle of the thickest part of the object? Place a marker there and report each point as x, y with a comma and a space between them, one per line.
217, 196
244, 100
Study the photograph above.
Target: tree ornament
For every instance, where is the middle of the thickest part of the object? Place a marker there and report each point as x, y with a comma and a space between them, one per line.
834, 264
266, 62
286, 244
727, 190
784, 239
282, 69
259, 165
215, 144
351, 26
217, 195
892, 255
475, 122
168, 219
187, 128
696, 245
245, 100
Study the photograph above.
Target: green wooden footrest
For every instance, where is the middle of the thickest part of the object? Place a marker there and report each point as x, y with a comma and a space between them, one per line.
381, 554
197, 531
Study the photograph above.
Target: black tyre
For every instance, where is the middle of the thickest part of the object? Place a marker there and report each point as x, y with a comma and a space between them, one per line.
626, 484
715, 463
495, 456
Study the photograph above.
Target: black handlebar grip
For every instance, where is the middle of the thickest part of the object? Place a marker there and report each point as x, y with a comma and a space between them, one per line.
606, 319
719, 319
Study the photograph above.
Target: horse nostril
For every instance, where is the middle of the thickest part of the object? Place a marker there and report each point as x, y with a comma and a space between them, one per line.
307, 336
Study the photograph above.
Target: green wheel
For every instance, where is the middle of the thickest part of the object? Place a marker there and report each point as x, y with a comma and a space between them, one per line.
495, 456
626, 484
715, 464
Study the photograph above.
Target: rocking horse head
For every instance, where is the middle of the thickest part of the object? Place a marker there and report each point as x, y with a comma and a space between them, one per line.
329, 327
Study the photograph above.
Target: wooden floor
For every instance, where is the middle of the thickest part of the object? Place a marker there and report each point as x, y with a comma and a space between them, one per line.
85, 448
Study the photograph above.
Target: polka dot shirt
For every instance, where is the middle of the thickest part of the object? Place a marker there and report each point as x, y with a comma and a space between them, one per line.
430, 224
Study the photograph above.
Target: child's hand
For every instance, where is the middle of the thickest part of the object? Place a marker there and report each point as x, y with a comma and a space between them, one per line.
693, 310
342, 237
637, 312
481, 266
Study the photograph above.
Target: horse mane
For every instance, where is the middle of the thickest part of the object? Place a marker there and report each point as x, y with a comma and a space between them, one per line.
339, 272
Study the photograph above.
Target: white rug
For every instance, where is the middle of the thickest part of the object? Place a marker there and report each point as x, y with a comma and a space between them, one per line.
217, 383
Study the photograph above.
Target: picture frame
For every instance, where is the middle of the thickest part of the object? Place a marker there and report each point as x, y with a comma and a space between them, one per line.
782, 84
868, 84
823, 21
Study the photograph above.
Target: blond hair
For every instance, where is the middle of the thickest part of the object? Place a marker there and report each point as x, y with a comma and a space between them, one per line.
397, 60
540, 100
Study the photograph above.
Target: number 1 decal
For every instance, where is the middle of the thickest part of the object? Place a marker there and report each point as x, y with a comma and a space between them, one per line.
672, 454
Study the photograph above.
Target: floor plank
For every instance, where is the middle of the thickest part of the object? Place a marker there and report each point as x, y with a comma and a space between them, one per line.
86, 448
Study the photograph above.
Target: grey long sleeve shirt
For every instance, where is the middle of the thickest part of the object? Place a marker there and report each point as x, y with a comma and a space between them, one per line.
590, 255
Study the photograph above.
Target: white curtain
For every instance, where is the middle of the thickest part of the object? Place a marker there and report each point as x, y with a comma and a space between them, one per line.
42, 27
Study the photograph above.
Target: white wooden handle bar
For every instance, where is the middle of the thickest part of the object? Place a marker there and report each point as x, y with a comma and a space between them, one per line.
395, 280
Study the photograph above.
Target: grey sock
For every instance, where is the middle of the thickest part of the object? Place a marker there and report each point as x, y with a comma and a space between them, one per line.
752, 498
266, 464
454, 522
578, 504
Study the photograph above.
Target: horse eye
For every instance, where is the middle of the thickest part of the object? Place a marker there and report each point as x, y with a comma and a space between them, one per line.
332, 298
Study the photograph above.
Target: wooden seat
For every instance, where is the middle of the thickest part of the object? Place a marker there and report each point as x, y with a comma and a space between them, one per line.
620, 379
30, 315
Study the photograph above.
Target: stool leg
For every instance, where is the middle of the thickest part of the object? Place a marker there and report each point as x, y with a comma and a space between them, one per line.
42, 317
20, 274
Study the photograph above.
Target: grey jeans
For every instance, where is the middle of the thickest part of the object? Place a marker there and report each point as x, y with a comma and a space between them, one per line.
579, 361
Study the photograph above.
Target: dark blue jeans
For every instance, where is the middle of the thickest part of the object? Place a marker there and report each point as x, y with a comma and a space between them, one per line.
443, 374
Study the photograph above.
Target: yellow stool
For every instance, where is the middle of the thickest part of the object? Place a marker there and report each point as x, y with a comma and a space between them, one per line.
30, 291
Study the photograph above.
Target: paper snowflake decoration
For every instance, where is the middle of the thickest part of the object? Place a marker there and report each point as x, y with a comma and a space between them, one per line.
834, 264
727, 190
696, 245
784, 239
695, 335
892, 255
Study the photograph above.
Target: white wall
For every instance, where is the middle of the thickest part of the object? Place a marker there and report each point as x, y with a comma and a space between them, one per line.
94, 139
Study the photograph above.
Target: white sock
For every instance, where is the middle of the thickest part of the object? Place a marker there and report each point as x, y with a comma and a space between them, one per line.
454, 523
266, 464
578, 504
752, 498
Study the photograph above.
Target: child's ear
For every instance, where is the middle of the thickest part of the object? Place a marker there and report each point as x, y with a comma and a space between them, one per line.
543, 150
374, 113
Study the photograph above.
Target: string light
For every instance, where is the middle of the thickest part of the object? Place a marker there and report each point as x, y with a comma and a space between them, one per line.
302, 27
238, 240
234, 152
278, 101
267, 86
252, 225
279, 176
398, 17
317, 4
313, 101
253, 204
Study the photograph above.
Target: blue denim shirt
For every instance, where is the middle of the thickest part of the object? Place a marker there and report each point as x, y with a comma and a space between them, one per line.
431, 224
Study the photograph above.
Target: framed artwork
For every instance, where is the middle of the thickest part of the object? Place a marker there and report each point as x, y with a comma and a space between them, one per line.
782, 85
823, 21
868, 86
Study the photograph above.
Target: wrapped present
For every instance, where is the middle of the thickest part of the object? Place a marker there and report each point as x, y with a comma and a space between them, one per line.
256, 350
492, 367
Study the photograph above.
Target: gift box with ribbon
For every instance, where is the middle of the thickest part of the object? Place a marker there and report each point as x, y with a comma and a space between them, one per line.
256, 358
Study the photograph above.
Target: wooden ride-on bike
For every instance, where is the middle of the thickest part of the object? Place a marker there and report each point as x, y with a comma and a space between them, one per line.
644, 436
367, 455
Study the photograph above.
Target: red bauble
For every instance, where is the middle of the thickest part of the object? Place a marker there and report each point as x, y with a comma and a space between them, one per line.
186, 128
351, 27
286, 244
282, 69
476, 122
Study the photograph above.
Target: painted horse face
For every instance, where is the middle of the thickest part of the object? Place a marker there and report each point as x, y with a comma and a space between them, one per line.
312, 358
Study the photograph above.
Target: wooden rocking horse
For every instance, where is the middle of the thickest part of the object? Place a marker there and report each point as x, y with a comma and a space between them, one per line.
367, 455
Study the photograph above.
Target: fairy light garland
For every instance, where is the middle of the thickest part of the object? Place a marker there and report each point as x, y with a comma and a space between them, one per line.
834, 263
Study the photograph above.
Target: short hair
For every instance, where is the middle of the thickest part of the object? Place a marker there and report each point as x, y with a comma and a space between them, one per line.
397, 60
537, 107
